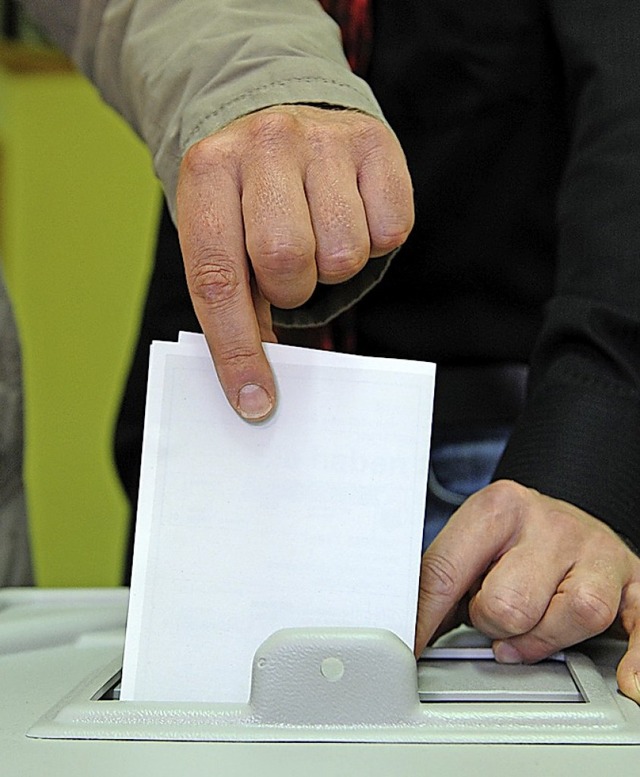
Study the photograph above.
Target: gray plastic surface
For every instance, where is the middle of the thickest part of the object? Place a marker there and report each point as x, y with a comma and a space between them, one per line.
307, 709
370, 695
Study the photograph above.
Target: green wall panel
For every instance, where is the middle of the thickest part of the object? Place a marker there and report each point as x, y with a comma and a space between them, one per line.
78, 208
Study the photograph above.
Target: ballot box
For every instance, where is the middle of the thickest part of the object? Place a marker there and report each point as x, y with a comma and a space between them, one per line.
323, 702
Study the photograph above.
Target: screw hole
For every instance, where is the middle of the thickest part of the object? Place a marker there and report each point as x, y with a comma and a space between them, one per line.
332, 669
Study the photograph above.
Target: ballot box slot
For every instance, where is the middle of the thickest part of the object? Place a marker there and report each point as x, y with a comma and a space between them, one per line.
360, 685
467, 676
471, 675
109, 691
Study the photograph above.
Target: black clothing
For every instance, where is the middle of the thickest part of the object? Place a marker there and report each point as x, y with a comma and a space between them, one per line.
521, 123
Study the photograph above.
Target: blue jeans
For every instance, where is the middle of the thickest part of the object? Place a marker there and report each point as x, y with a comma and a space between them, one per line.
462, 462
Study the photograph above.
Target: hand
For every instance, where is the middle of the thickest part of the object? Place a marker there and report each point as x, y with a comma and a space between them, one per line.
540, 575
269, 206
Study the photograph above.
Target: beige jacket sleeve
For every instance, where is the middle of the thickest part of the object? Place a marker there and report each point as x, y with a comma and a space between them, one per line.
178, 70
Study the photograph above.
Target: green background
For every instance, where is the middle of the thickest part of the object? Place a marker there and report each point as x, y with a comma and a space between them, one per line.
78, 206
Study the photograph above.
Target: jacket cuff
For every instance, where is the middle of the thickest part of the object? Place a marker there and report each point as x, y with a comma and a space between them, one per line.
580, 443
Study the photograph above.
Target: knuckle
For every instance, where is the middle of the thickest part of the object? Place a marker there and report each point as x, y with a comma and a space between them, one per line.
339, 265
269, 128
393, 237
504, 497
323, 139
591, 610
511, 611
438, 576
505, 493
214, 282
373, 135
235, 355
280, 257
203, 157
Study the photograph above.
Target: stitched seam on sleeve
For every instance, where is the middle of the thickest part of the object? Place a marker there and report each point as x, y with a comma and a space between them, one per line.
262, 88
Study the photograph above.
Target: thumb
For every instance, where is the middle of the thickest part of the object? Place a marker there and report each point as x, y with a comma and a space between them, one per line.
628, 672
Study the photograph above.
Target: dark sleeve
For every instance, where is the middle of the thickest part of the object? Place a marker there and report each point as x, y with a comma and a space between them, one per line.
579, 436
59, 21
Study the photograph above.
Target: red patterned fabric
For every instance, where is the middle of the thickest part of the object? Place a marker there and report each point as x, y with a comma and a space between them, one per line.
354, 18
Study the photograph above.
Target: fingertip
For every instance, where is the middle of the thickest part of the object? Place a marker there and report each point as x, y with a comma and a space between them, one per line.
628, 677
254, 402
505, 653
629, 685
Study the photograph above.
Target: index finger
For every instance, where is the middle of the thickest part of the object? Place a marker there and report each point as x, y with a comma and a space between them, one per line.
217, 269
478, 532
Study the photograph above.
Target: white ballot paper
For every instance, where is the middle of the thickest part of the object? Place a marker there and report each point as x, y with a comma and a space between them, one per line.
312, 518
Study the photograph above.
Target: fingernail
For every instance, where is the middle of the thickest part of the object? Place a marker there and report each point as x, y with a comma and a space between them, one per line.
254, 402
506, 654
636, 678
